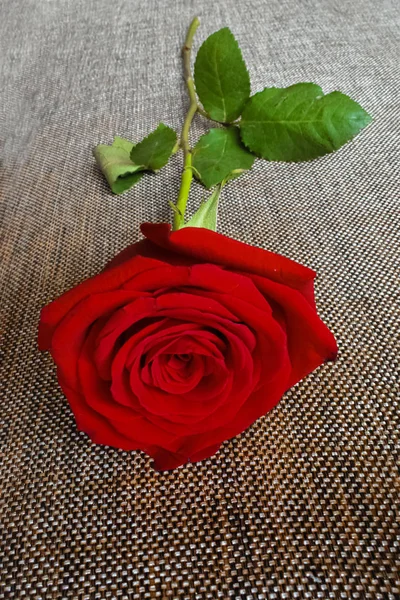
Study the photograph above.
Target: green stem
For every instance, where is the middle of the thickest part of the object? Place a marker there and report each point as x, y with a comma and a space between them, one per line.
202, 112
187, 174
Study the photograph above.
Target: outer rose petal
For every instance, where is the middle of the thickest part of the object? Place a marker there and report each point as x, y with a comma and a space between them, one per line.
208, 246
98, 428
112, 279
310, 342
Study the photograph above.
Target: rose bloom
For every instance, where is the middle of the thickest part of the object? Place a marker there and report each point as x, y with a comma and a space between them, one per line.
183, 341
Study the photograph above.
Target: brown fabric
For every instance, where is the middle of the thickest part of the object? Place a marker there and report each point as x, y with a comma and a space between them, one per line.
302, 505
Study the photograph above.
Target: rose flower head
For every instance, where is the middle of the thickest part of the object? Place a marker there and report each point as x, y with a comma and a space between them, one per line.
183, 341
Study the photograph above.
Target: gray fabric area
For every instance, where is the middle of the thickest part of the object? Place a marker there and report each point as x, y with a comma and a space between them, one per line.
303, 504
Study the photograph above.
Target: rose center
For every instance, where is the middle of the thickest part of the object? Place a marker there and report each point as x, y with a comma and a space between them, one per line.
179, 361
182, 364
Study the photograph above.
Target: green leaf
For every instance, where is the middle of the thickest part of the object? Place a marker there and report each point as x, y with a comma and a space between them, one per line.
299, 123
115, 163
123, 144
219, 154
154, 151
221, 77
123, 163
206, 215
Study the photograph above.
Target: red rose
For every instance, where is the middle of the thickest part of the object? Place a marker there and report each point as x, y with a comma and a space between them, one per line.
183, 342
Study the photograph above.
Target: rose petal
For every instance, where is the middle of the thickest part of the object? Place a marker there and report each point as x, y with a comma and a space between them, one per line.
124, 421
71, 332
112, 279
209, 246
310, 342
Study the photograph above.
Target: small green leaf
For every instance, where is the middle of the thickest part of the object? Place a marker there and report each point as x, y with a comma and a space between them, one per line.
219, 154
116, 165
123, 144
154, 151
299, 123
221, 77
206, 215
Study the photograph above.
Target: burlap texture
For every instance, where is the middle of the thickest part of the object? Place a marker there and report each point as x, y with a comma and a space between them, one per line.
302, 505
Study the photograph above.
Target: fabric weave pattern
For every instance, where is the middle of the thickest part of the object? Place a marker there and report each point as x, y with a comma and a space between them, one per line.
303, 504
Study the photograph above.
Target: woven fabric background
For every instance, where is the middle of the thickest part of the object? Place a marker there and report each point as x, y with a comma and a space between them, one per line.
303, 504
